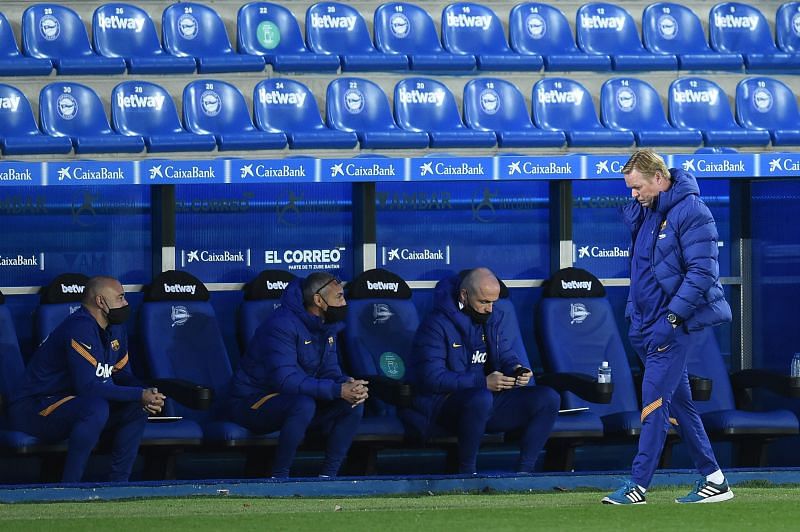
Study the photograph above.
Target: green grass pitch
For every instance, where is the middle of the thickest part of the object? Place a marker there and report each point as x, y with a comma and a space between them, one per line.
753, 508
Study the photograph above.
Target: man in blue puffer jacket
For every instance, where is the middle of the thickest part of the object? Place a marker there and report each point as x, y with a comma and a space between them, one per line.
290, 379
467, 377
675, 292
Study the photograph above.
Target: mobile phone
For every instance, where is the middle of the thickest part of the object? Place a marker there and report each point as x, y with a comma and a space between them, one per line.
519, 371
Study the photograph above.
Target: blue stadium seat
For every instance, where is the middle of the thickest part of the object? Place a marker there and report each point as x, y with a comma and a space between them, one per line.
669, 28
13, 63
604, 28
262, 296
57, 299
575, 334
195, 30
541, 29
271, 31
697, 103
381, 324
288, 106
144, 109
12, 370
181, 339
741, 28
634, 105
11, 364
569, 431
218, 108
403, 28
76, 111
724, 415
766, 103
561, 104
493, 104
19, 133
474, 29
127, 31
336, 28
360, 106
787, 27
56, 32
423, 104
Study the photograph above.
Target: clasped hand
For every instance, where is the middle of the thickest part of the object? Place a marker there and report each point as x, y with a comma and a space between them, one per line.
355, 391
152, 400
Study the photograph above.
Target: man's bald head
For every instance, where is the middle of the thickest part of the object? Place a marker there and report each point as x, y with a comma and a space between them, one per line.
98, 286
103, 296
479, 290
480, 278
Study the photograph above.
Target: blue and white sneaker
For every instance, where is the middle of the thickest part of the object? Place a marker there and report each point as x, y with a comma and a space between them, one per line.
629, 493
706, 491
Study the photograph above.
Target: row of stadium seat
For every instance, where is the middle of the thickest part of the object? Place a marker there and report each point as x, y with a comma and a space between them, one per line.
337, 35
425, 113
180, 338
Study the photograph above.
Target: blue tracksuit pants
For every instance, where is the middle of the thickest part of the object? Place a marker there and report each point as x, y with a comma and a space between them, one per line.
81, 421
293, 415
472, 412
666, 401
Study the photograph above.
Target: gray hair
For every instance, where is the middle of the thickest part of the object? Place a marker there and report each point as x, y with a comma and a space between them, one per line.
313, 284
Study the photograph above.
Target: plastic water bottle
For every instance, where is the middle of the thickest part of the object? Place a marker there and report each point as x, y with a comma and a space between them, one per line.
795, 368
604, 373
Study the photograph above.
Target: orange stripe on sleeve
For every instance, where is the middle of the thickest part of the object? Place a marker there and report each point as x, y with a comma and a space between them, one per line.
82, 351
121, 363
49, 410
260, 402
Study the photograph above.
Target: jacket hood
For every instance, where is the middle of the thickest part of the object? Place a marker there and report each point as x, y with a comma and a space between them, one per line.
446, 302
683, 184
292, 299
446, 295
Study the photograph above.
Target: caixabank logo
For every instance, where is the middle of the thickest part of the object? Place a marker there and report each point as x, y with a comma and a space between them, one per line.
195, 257
393, 255
785, 164
591, 251
452, 167
361, 169
712, 165
159, 171
25, 260
536, 166
13, 173
294, 170
88, 172
605, 166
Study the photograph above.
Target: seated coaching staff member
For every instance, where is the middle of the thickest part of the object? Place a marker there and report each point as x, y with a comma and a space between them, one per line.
290, 379
463, 366
79, 383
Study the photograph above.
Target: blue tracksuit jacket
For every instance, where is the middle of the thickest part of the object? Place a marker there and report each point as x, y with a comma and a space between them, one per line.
80, 358
292, 352
443, 351
683, 255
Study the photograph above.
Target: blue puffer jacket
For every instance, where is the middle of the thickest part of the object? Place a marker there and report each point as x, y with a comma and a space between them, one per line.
292, 352
684, 260
441, 360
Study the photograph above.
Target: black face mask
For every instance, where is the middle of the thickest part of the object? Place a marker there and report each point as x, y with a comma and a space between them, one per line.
118, 316
334, 314
476, 317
